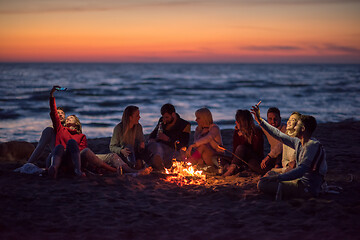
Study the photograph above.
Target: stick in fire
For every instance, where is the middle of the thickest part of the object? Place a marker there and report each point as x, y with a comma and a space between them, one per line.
224, 149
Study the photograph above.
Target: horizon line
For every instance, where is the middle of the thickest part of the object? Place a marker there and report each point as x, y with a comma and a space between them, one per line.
171, 62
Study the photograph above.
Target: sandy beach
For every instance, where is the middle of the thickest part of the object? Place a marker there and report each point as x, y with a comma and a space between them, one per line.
147, 207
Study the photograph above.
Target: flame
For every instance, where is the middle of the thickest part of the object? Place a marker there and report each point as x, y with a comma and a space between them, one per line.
183, 173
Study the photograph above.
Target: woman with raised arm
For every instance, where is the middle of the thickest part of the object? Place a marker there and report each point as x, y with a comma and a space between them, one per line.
69, 141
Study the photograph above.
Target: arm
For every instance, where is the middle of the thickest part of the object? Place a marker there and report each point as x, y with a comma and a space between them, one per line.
276, 133
83, 143
275, 150
213, 132
308, 155
183, 137
140, 136
53, 112
235, 141
153, 134
115, 145
277, 147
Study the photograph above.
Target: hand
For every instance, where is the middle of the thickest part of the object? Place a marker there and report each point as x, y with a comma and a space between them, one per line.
272, 178
53, 90
292, 164
265, 162
125, 151
188, 151
163, 137
255, 110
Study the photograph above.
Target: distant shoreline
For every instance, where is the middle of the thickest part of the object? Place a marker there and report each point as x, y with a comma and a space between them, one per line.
167, 62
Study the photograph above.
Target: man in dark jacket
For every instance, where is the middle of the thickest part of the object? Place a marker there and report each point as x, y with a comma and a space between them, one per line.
171, 134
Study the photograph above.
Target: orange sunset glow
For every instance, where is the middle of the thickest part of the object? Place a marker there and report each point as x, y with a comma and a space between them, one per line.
180, 31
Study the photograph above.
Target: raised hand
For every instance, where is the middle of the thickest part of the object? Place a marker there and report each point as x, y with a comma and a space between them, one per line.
53, 90
255, 110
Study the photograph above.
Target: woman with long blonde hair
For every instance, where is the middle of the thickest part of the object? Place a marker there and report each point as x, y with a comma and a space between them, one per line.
207, 138
128, 139
127, 145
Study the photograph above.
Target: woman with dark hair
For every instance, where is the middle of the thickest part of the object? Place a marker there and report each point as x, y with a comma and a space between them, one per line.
128, 139
248, 144
69, 141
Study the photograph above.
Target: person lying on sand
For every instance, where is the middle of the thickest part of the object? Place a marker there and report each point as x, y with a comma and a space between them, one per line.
170, 135
207, 138
306, 179
69, 141
248, 144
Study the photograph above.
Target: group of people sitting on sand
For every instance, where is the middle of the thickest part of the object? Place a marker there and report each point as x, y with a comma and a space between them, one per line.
295, 159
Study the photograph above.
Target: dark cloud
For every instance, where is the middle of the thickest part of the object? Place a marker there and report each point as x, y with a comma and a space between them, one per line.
329, 47
272, 48
321, 48
40, 6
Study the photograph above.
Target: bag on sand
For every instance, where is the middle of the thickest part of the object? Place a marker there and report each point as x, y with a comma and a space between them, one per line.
29, 168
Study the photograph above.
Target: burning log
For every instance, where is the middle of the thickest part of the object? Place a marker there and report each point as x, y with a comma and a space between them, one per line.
183, 173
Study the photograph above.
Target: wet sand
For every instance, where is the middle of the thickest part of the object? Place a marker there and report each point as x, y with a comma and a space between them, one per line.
147, 207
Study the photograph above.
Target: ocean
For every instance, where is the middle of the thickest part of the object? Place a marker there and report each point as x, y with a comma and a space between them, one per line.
99, 92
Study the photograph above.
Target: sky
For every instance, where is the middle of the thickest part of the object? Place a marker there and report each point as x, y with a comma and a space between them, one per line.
251, 31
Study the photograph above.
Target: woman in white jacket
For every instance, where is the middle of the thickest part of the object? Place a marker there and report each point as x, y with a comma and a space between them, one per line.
207, 138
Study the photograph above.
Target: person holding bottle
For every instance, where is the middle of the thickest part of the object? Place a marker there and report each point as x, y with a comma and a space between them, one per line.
171, 134
128, 139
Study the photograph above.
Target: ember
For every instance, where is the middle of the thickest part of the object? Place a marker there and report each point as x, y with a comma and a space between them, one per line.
183, 173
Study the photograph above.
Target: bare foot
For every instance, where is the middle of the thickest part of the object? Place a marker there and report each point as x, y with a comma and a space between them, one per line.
79, 173
225, 167
146, 171
230, 171
52, 172
139, 164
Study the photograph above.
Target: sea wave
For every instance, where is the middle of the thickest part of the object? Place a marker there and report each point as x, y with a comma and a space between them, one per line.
98, 93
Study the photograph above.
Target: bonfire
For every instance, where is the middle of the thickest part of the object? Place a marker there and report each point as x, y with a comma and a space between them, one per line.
183, 173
